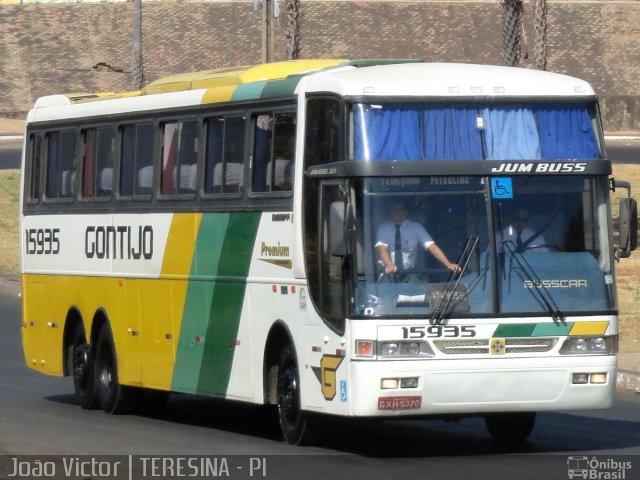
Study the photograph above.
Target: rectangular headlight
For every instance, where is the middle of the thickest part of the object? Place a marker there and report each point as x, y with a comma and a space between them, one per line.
404, 349
389, 383
598, 378
388, 348
580, 378
590, 345
409, 382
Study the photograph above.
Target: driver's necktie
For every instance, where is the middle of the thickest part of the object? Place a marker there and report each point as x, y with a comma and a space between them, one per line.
519, 243
397, 255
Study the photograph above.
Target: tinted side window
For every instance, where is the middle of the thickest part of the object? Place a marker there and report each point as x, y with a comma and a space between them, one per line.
97, 162
35, 144
224, 164
136, 169
179, 157
61, 148
273, 152
322, 136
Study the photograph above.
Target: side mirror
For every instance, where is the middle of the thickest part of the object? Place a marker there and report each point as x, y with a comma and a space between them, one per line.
628, 227
337, 244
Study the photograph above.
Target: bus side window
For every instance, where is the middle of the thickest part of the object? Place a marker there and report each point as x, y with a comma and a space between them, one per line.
224, 163
273, 152
97, 162
136, 169
35, 143
60, 174
179, 157
322, 136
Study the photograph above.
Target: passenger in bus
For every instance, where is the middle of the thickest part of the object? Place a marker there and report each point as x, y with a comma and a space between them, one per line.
399, 234
520, 236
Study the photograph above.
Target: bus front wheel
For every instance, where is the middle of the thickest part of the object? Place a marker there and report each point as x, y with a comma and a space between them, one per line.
293, 420
113, 397
510, 428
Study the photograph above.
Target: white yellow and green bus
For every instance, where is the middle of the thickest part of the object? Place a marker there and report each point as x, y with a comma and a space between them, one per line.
217, 233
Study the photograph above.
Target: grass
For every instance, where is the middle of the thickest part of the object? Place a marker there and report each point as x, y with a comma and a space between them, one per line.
628, 269
628, 272
9, 203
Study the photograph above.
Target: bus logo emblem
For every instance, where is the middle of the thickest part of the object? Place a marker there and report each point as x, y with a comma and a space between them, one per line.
498, 346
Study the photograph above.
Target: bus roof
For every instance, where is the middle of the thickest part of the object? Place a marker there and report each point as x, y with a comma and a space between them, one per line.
358, 78
448, 80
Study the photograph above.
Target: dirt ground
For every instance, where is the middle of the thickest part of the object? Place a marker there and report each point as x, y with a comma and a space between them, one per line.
9, 126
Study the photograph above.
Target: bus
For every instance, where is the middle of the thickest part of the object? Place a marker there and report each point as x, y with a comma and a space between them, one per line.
223, 233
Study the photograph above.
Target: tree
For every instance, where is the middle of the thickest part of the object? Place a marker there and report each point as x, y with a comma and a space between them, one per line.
137, 68
512, 11
292, 34
540, 35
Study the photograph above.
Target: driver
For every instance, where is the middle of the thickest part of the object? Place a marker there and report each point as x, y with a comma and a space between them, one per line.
403, 235
520, 236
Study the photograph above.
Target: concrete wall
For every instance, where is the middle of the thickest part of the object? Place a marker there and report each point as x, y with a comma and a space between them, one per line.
58, 48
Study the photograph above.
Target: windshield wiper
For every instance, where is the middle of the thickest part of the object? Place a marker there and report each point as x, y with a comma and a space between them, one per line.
451, 287
543, 294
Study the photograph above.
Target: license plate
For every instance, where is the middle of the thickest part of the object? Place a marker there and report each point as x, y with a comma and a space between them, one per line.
399, 403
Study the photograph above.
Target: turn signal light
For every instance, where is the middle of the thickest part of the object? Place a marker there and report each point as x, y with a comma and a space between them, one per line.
364, 348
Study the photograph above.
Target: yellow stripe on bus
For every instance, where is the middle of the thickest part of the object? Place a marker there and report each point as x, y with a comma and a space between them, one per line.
589, 328
218, 94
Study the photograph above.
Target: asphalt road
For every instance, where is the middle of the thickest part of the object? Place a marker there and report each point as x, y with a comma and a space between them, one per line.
10, 154
39, 416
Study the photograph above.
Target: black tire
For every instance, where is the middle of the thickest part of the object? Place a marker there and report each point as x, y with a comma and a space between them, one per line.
293, 420
510, 429
113, 397
82, 368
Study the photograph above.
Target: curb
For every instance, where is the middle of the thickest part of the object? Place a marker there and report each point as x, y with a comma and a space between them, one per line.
627, 380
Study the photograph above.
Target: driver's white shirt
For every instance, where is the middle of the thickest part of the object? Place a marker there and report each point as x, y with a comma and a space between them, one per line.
412, 234
510, 234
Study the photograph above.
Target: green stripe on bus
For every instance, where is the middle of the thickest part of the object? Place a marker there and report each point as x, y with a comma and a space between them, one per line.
248, 91
280, 88
517, 330
552, 329
226, 304
195, 317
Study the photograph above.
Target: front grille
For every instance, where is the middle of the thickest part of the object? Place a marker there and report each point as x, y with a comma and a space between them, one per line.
462, 347
530, 345
481, 347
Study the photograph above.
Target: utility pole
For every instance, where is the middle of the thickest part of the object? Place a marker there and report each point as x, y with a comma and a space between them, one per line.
137, 69
270, 10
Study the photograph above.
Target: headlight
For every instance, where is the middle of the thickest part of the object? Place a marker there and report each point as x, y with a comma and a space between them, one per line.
590, 346
388, 348
404, 349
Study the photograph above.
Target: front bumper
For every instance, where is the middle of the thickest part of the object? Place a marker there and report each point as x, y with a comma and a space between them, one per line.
476, 386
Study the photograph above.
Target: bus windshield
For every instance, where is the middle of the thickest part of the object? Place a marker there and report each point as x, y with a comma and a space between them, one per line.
541, 247
418, 131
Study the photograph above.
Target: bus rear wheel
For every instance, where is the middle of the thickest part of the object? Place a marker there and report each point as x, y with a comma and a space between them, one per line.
82, 369
293, 420
113, 397
510, 429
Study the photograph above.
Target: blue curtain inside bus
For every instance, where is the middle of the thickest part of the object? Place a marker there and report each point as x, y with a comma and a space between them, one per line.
451, 134
509, 132
567, 133
392, 133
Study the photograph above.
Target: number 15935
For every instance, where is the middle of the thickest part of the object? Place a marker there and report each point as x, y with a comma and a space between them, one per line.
439, 331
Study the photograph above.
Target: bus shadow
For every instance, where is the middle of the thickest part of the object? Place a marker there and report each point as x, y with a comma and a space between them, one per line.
554, 432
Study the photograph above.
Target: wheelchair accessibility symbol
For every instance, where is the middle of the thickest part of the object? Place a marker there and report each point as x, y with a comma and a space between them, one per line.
501, 187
